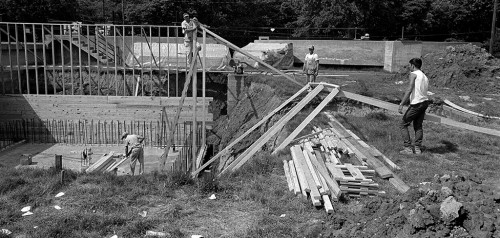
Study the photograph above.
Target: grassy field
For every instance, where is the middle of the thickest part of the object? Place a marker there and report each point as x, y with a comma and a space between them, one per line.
253, 202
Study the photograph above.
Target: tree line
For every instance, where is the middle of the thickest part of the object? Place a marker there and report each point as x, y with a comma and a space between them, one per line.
467, 20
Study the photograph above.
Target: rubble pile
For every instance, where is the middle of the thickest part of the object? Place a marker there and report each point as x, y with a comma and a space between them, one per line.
450, 205
464, 67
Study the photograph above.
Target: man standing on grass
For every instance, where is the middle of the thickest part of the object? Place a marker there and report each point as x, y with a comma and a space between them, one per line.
417, 95
134, 150
311, 65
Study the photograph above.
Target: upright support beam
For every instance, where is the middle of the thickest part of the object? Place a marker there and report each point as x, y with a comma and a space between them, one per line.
194, 92
164, 156
306, 121
203, 88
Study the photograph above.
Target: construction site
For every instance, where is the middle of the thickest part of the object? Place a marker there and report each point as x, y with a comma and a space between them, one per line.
237, 143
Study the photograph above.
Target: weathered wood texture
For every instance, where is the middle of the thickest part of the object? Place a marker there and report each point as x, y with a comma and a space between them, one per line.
77, 107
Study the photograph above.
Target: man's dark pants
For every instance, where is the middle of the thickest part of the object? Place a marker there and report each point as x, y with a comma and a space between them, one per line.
415, 114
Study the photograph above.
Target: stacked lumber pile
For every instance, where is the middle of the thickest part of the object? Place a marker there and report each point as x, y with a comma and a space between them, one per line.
107, 163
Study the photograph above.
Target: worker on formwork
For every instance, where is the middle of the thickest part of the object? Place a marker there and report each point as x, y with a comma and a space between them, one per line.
311, 65
134, 150
189, 27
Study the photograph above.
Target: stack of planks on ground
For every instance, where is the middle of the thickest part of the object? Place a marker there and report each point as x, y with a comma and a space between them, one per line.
366, 154
107, 163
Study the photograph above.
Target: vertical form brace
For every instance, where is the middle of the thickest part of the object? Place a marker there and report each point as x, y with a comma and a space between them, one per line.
61, 31
115, 60
71, 61
78, 31
26, 59
10, 61
133, 65
44, 61
89, 62
194, 92
36, 60
203, 88
17, 60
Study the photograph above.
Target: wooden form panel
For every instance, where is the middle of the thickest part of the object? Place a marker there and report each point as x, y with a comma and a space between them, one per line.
75, 107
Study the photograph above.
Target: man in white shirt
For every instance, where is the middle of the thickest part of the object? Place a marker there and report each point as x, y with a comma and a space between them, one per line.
134, 150
311, 65
417, 95
188, 29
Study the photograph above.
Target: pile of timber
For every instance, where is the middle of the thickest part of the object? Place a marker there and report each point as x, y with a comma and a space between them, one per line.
322, 156
107, 163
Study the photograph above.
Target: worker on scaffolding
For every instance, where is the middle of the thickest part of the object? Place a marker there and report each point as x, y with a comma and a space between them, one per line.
134, 150
189, 27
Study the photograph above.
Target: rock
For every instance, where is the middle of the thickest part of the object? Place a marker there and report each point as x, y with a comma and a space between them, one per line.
450, 209
444, 178
446, 192
459, 232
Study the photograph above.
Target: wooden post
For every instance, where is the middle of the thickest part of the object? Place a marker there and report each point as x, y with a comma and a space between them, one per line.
203, 89
71, 60
26, 63
115, 59
62, 62
44, 60
36, 60
123, 63
80, 58
58, 162
10, 60
195, 98
17, 59
133, 64
493, 25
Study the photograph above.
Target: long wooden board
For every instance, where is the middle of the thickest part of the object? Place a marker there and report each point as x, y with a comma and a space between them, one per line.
247, 154
307, 120
258, 124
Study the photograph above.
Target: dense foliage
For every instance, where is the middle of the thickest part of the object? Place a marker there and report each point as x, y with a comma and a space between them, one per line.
468, 20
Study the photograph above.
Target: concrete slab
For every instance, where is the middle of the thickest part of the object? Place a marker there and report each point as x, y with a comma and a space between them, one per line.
43, 156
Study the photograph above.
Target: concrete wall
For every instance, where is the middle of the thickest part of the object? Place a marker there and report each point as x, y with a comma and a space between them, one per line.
398, 53
338, 52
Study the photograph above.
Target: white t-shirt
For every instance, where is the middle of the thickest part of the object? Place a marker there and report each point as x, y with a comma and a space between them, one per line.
187, 25
419, 93
311, 63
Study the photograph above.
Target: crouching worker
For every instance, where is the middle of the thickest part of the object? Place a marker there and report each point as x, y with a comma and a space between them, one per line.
134, 150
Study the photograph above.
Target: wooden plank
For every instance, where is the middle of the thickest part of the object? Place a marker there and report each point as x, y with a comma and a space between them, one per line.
296, 156
386, 159
328, 204
354, 172
311, 168
324, 185
294, 177
223, 151
101, 162
428, 116
399, 184
334, 187
201, 155
307, 120
247, 154
288, 177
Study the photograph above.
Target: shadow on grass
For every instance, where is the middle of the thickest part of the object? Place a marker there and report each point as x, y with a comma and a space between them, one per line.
445, 147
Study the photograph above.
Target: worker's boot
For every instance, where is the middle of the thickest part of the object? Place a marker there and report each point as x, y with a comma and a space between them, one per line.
418, 150
406, 151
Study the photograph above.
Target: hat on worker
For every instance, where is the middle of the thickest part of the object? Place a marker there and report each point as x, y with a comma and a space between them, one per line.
124, 135
311, 47
185, 15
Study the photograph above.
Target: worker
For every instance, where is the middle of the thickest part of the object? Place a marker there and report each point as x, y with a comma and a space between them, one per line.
134, 150
365, 37
188, 29
311, 65
416, 93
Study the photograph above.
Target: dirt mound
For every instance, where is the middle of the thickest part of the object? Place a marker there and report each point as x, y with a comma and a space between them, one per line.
455, 206
464, 67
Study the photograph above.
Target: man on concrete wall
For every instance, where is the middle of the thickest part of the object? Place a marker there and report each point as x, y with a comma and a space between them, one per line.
134, 150
188, 29
419, 101
311, 65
